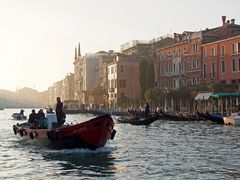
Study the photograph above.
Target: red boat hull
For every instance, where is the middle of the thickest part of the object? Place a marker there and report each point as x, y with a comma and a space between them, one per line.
91, 134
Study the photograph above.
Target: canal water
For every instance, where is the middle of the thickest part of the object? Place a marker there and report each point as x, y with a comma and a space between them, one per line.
163, 150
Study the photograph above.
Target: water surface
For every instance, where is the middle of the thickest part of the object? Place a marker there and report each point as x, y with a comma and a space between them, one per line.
163, 150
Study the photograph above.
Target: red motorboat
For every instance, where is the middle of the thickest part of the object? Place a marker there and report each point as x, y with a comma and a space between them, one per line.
91, 134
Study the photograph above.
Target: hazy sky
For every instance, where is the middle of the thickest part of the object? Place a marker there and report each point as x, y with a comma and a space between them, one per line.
38, 37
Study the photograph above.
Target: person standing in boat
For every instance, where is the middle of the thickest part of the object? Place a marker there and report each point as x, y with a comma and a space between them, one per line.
147, 109
22, 112
59, 112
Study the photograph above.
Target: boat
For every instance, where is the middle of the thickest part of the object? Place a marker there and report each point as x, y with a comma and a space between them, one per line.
179, 117
71, 107
234, 119
212, 117
19, 116
136, 113
91, 134
137, 120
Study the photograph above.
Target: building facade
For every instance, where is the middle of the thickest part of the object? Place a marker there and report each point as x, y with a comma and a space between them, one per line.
123, 80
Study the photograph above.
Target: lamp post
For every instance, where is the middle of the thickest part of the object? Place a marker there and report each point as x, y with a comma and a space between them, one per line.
166, 91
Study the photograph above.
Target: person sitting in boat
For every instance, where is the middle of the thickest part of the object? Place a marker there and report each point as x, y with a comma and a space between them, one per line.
33, 117
147, 109
59, 112
41, 115
50, 111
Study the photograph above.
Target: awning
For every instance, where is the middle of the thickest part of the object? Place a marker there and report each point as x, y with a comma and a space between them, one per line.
203, 96
218, 95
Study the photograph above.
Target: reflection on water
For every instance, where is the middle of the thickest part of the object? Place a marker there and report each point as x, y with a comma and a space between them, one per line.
83, 163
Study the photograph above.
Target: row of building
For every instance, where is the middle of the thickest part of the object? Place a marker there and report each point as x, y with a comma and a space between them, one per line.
180, 60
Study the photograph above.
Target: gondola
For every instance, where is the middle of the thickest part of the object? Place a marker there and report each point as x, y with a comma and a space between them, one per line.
212, 117
139, 120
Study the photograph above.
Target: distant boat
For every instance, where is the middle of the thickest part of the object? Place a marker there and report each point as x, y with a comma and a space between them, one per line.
234, 119
19, 116
137, 120
1, 109
91, 134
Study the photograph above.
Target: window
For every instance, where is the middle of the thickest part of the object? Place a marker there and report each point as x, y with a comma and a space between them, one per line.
204, 54
233, 49
121, 68
238, 47
193, 64
223, 67
122, 83
234, 65
239, 64
195, 47
204, 71
222, 51
193, 80
213, 70
213, 52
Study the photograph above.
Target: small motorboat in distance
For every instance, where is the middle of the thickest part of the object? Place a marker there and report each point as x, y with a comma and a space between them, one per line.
91, 134
19, 116
234, 119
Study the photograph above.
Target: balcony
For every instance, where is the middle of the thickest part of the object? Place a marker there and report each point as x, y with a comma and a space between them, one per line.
111, 90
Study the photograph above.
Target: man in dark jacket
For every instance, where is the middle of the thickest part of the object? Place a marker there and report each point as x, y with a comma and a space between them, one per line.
59, 112
33, 117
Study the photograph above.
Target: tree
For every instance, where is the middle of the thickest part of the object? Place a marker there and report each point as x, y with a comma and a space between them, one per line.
150, 76
146, 76
142, 80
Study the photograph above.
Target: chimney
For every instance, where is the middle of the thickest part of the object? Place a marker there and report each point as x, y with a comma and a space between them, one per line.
232, 21
175, 37
228, 21
224, 20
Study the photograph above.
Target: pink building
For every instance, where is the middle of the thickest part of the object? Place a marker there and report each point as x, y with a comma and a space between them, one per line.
123, 79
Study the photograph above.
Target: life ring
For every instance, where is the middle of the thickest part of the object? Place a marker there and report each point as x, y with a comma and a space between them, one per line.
21, 132
31, 135
113, 134
14, 129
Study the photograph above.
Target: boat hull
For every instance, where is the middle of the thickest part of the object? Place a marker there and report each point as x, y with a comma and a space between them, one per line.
91, 134
212, 117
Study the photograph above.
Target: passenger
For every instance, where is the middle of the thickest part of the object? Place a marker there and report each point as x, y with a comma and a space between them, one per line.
147, 109
33, 117
41, 115
50, 111
59, 112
